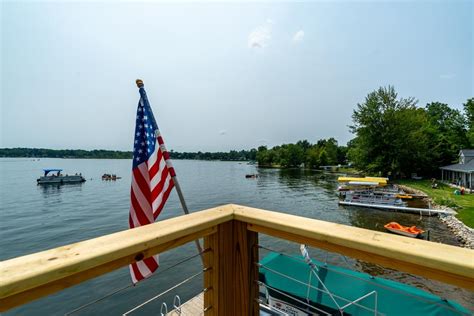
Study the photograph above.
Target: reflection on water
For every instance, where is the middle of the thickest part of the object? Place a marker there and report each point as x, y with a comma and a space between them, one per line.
35, 218
56, 189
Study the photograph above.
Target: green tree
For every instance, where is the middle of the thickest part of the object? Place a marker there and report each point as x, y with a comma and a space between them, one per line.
304, 144
323, 157
383, 129
312, 157
331, 150
262, 155
342, 155
252, 155
292, 156
448, 131
469, 114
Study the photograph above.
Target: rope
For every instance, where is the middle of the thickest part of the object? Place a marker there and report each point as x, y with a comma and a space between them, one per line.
131, 285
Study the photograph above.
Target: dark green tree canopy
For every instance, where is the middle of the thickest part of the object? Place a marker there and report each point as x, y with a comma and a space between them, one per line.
395, 137
303, 153
469, 114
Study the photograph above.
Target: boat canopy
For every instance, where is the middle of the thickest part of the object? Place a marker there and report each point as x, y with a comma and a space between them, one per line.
363, 183
46, 171
380, 181
393, 298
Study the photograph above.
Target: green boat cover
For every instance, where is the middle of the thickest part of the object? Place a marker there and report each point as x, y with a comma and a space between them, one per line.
393, 298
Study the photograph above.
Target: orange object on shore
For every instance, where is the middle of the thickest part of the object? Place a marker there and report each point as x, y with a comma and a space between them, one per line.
396, 228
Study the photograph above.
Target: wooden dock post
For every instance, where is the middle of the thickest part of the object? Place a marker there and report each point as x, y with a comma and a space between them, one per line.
231, 283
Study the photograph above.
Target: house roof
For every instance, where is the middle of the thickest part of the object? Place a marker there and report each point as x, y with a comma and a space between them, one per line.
467, 167
467, 152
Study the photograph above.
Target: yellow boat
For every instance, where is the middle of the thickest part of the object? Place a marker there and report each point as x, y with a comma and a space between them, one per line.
378, 180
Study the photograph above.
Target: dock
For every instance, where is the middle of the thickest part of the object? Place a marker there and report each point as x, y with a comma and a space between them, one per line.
194, 306
404, 209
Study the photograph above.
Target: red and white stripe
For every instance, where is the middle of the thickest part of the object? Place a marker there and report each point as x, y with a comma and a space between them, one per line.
151, 185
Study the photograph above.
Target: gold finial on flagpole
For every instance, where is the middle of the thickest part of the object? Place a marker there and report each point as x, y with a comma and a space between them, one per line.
139, 83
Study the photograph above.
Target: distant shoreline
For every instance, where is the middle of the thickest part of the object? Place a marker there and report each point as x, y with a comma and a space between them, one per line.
243, 155
63, 153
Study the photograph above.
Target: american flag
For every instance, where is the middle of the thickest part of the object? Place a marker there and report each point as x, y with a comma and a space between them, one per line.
151, 179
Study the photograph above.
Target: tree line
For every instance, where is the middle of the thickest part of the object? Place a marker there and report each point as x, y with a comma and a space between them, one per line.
65, 153
395, 137
233, 155
303, 154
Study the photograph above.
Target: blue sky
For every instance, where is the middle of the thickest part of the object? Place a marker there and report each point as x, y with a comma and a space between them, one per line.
221, 76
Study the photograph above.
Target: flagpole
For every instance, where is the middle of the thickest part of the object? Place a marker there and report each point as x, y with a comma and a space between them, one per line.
185, 209
140, 84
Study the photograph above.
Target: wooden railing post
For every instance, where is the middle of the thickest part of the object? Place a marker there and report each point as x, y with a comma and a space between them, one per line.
211, 281
232, 280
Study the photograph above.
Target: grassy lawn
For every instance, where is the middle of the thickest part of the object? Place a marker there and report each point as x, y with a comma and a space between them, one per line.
443, 195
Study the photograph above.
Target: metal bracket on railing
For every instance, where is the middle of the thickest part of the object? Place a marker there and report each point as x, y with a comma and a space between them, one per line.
267, 295
165, 307
177, 304
260, 284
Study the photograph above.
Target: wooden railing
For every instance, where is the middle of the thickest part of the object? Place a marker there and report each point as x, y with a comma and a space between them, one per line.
231, 234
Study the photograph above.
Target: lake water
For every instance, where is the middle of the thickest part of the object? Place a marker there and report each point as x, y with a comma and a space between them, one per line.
36, 218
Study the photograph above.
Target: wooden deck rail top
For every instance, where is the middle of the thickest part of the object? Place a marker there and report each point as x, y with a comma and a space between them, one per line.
32, 276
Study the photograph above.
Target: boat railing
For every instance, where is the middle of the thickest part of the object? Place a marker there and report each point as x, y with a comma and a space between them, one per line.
230, 255
373, 196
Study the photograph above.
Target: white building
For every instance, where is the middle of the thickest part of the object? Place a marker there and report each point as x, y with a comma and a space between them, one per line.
461, 173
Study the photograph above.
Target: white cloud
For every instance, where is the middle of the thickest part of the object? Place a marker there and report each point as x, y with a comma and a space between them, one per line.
447, 76
260, 37
298, 37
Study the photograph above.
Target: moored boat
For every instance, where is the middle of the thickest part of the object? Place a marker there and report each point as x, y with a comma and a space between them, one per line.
396, 228
108, 177
373, 192
367, 180
54, 176
296, 287
373, 197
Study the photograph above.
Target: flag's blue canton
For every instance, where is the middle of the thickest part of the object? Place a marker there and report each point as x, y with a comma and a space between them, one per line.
145, 140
